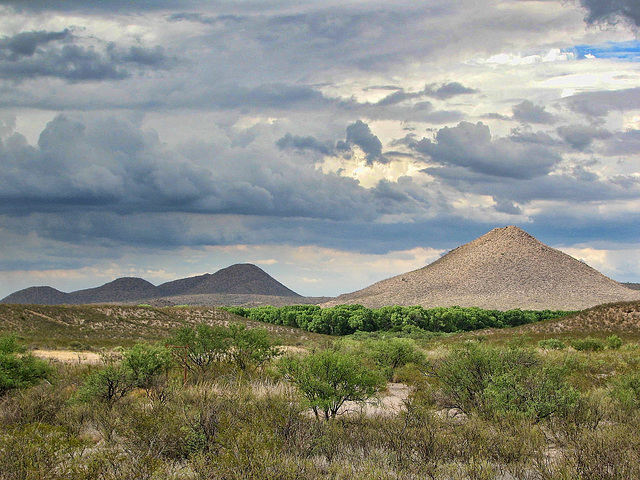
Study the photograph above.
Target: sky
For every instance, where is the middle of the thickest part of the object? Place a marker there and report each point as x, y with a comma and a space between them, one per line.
331, 143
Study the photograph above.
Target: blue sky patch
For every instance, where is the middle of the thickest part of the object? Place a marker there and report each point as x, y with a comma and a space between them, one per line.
626, 51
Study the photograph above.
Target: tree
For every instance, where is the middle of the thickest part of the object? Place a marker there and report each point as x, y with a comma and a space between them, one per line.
17, 368
108, 384
200, 346
328, 379
147, 363
250, 346
137, 367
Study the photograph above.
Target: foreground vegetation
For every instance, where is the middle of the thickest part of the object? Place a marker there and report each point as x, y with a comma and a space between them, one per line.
226, 402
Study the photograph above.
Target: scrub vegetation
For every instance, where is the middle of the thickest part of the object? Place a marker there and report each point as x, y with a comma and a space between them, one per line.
237, 401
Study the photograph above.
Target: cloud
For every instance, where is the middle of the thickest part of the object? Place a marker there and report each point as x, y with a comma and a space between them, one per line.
304, 143
360, 134
35, 54
471, 146
609, 11
623, 143
441, 92
24, 44
580, 137
527, 112
599, 104
112, 165
448, 90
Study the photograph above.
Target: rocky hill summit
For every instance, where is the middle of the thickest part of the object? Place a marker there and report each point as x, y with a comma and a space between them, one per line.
506, 268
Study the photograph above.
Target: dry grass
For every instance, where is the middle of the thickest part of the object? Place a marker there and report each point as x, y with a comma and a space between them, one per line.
86, 327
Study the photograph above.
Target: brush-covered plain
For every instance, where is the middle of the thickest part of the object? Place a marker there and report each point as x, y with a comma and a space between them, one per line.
198, 397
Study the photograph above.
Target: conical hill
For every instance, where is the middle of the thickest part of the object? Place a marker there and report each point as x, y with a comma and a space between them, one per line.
506, 268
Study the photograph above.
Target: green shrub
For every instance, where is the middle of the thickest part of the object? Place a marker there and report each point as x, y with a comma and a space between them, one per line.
146, 363
480, 379
626, 390
202, 347
588, 344
614, 342
17, 368
329, 378
552, 344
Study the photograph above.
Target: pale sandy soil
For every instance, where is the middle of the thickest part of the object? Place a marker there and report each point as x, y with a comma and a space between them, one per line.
68, 356
390, 402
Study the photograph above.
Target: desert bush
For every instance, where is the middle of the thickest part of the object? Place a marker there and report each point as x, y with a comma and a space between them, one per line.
614, 342
626, 390
38, 451
393, 353
588, 344
17, 368
146, 365
534, 393
552, 344
480, 379
329, 378
200, 348
107, 384
250, 347
138, 367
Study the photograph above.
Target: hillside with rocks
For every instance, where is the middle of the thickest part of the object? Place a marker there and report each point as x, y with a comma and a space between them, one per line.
506, 268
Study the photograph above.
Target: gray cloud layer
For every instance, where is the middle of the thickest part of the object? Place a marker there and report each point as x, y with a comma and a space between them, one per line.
29, 55
470, 146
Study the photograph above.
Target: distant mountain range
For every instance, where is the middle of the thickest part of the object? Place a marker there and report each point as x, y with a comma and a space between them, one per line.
239, 279
506, 268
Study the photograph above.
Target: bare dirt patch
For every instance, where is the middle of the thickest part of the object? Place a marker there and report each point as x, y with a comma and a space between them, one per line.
68, 356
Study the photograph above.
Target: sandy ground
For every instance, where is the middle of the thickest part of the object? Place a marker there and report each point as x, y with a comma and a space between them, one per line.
390, 402
68, 356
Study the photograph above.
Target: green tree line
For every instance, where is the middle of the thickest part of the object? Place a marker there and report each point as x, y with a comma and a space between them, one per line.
347, 319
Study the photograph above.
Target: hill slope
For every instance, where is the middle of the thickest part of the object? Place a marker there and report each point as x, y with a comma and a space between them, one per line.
506, 268
120, 290
43, 295
242, 278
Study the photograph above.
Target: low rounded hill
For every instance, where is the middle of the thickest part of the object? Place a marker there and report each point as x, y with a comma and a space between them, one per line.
504, 269
241, 278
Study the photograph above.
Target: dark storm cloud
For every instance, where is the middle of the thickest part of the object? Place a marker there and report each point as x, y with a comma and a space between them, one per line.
577, 185
580, 137
527, 135
111, 165
610, 11
304, 143
360, 134
448, 90
527, 112
470, 146
24, 44
441, 92
599, 104
495, 116
29, 55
